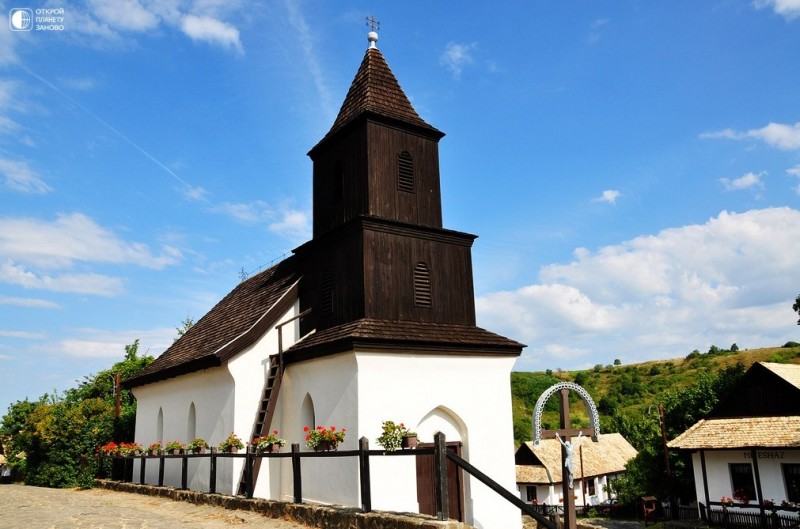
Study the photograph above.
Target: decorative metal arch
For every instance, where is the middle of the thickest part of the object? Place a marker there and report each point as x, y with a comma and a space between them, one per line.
544, 397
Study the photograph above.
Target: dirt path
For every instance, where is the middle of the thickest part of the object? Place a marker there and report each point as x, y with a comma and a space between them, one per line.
36, 507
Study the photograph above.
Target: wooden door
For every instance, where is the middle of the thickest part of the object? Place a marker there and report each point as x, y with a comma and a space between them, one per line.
426, 495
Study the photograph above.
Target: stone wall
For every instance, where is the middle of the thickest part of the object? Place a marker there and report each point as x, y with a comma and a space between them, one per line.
322, 516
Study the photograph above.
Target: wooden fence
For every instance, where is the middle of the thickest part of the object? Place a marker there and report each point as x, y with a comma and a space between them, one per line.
439, 451
745, 517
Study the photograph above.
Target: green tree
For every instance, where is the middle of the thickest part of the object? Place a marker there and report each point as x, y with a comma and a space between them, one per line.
796, 307
52, 440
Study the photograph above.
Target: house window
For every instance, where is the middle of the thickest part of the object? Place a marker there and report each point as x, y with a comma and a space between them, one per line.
422, 285
405, 172
791, 477
160, 425
591, 486
742, 483
531, 493
191, 426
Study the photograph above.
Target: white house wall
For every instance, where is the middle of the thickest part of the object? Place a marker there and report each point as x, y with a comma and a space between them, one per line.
212, 393
719, 479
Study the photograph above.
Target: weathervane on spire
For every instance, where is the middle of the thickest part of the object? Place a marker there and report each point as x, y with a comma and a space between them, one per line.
374, 26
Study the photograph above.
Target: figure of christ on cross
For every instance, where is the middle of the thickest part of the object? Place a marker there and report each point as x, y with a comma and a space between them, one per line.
564, 434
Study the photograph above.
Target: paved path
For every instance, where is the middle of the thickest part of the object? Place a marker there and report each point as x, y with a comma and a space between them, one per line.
42, 508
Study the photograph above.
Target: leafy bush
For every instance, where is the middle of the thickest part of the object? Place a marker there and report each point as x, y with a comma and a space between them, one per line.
791, 344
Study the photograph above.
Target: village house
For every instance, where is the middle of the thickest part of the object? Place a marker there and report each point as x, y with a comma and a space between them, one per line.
371, 320
748, 449
540, 469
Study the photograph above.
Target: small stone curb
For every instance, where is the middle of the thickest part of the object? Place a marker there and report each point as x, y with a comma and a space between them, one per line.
312, 515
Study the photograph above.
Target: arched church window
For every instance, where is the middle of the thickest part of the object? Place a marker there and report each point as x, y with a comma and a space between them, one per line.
405, 172
160, 425
191, 426
422, 285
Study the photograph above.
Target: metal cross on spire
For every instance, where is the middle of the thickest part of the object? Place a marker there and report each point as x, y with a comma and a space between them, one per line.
374, 25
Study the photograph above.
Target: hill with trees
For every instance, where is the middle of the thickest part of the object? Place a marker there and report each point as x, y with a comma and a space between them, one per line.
627, 398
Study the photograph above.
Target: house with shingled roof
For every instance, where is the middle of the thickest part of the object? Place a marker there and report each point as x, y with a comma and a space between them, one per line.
540, 469
749, 446
373, 319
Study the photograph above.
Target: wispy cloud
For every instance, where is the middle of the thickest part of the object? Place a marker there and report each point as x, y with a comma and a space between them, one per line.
92, 284
20, 177
28, 302
22, 335
727, 280
779, 135
746, 181
595, 31
97, 343
456, 56
609, 195
282, 220
789, 9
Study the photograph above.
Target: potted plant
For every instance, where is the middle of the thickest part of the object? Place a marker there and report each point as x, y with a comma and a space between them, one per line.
109, 448
396, 435
155, 448
322, 438
231, 444
269, 443
130, 449
197, 446
174, 447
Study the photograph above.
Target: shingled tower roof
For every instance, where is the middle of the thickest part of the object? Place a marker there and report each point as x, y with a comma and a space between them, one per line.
375, 91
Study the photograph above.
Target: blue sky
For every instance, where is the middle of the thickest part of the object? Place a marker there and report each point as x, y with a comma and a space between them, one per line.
632, 169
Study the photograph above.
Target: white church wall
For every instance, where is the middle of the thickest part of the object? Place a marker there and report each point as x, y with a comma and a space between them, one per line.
249, 369
211, 393
328, 386
466, 397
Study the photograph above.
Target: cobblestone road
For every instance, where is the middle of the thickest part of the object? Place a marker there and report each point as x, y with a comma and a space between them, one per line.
35, 508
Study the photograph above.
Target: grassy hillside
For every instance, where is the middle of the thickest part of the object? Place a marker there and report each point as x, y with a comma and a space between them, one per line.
628, 389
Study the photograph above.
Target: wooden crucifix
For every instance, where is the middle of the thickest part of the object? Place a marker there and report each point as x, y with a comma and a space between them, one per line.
565, 435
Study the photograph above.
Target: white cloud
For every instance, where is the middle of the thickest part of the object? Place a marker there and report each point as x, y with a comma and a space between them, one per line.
127, 15
789, 9
28, 302
211, 30
745, 181
778, 135
23, 335
93, 284
609, 195
282, 220
20, 177
729, 280
74, 237
96, 343
456, 56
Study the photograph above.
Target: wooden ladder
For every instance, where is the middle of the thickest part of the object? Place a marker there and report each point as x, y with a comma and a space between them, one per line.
266, 410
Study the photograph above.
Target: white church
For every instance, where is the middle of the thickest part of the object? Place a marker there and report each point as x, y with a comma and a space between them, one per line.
373, 319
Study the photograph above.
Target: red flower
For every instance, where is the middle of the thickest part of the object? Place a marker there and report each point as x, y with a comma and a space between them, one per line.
306, 429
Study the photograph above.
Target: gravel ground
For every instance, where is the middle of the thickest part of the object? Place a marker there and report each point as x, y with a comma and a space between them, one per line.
35, 507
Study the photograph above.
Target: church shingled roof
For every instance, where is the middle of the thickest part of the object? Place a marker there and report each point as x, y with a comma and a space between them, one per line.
384, 334
376, 90
223, 331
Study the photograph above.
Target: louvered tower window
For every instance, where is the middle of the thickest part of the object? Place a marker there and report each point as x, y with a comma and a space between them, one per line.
405, 172
338, 181
326, 299
422, 285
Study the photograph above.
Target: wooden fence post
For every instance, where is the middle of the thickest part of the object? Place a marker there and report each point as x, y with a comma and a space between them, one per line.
184, 471
142, 462
440, 476
298, 481
161, 470
212, 472
248, 474
363, 460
